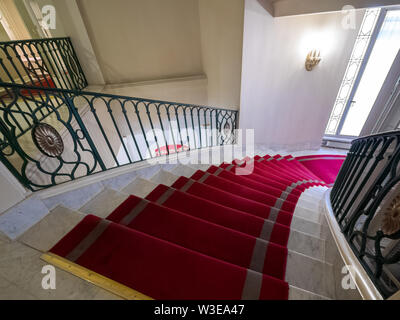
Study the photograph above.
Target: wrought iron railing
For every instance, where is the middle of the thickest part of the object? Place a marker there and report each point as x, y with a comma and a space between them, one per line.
366, 202
50, 62
49, 136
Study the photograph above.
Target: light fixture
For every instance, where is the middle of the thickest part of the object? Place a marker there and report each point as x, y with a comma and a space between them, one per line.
313, 59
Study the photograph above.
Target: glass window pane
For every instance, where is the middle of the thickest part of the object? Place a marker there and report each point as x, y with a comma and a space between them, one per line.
353, 67
383, 54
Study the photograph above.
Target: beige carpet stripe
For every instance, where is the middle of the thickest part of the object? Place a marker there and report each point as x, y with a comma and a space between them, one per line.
134, 212
88, 240
252, 285
258, 257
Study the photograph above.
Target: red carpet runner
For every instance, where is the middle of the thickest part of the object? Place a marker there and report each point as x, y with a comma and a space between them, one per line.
217, 235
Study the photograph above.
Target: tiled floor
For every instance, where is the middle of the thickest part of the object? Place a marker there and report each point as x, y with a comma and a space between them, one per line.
21, 276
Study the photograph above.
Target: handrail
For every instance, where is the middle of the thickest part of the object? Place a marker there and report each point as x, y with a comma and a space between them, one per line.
380, 134
33, 40
108, 95
366, 202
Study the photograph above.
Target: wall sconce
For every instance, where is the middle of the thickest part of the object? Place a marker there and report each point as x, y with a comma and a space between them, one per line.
313, 59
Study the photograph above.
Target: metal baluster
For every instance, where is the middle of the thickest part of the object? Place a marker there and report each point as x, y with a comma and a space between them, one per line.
162, 128
170, 127
9, 57
346, 191
194, 130
177, 121
93, 110
54, 53
141, 127
110, 111
81, 73
151, 125
124, 111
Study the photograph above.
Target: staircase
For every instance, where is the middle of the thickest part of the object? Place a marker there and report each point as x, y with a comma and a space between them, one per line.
309, 268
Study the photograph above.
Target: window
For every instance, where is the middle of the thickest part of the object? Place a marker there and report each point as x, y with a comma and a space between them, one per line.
375, 49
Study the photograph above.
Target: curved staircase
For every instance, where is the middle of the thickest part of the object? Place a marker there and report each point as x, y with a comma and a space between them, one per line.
199, 231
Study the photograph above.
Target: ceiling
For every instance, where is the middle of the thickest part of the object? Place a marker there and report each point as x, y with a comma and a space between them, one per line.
295, 7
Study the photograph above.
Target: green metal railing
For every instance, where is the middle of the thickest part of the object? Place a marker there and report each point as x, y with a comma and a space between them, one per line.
50, 62
366, 203
52, 132
44, 143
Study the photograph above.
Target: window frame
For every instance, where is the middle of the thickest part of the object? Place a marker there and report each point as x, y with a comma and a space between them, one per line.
350, 99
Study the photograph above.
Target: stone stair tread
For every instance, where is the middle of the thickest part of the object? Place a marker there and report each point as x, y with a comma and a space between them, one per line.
104, 203
300, 294
47, 232
306, 244
306, 213
139, 187
308, 227
310, 274
164, 177
183, 170
309, 271
74, 199
200, 166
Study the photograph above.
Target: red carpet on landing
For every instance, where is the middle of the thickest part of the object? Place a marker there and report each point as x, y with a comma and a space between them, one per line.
217, 235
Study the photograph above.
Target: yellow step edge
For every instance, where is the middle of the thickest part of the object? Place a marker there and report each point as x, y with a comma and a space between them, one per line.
93, 277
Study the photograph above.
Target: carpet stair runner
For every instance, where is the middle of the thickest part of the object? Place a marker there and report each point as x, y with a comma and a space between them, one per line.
216, 235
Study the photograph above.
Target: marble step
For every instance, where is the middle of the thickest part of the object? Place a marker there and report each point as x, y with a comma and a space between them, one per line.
51, 229
307, 244
300, 294
310, 274
308, 214
309, 227
164, 177
309, 197
139, 187
312, 204
184, 171
107, 200
200, 166
306, 221
316, 191
306, 236
104, 203
21, 269
168, 178
75, 199
60, 221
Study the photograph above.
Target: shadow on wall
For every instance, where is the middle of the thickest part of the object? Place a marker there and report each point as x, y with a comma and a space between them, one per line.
267, 5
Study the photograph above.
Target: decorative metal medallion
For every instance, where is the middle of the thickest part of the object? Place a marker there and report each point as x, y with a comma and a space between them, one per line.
391, 219
48, 140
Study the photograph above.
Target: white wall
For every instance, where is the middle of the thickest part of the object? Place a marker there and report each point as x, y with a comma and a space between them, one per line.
69, 16
136, 40
287, 106
221, 28
191, 90
11, 191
